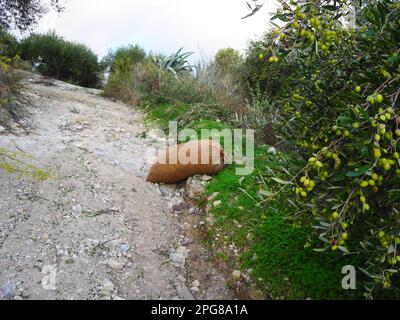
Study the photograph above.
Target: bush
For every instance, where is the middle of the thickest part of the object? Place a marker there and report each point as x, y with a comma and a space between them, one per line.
341, 111
227, 60
55, 57
259, 74
221, 77
146, 83
9, 46
122, 59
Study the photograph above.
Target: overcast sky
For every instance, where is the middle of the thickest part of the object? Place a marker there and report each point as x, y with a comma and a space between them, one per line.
162, 26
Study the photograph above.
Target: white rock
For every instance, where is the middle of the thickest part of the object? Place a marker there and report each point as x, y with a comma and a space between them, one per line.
77, 208
272, 150
125, 248
179, 256
8, 290
108, 286
181, 278
194, 188
195, 283
236, 275
194, 289
184, 292
114, 264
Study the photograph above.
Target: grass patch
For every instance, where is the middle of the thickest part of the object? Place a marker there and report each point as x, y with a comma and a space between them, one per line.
279, 252
164, 113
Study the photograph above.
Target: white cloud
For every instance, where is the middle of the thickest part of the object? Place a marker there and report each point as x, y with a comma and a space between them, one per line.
203, 26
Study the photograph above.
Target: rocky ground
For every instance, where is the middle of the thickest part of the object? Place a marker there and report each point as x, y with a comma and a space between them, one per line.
95, 229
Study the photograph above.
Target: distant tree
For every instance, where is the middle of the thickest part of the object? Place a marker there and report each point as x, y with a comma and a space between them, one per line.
227, 59
56, 57
123, 58
23, 14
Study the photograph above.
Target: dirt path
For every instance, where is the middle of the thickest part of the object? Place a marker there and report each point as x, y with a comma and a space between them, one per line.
96, 229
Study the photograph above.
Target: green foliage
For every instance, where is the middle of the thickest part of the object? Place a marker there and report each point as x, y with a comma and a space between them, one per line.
123, 58
9, 89
278, 252
177, 63
9, 46
23, 14
341, 111
164, 113
227, 60
9, 83
287, 268
55, 57
11, 162
147, 83
258, 73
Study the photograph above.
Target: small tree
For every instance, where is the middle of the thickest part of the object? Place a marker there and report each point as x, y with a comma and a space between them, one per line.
123, 58
226, 60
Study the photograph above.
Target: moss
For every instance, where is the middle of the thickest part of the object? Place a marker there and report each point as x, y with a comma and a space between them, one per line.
164, 113
269, 243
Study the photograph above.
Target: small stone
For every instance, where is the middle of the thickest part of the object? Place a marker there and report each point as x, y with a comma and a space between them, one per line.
236, 275
181, 278
179, 256
2, 129
194, 188
206, 178
77, 208
125, 248
183, 250
8, 290
115, 265
194, 289
108, 286
272, 150
184, 293
195, 283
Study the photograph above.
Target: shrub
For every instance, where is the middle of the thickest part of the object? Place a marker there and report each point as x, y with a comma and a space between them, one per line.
9, 46
177, 63
123, 58
341, 111
146, 82
227, 60
259, 74
55, 57
222, 80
